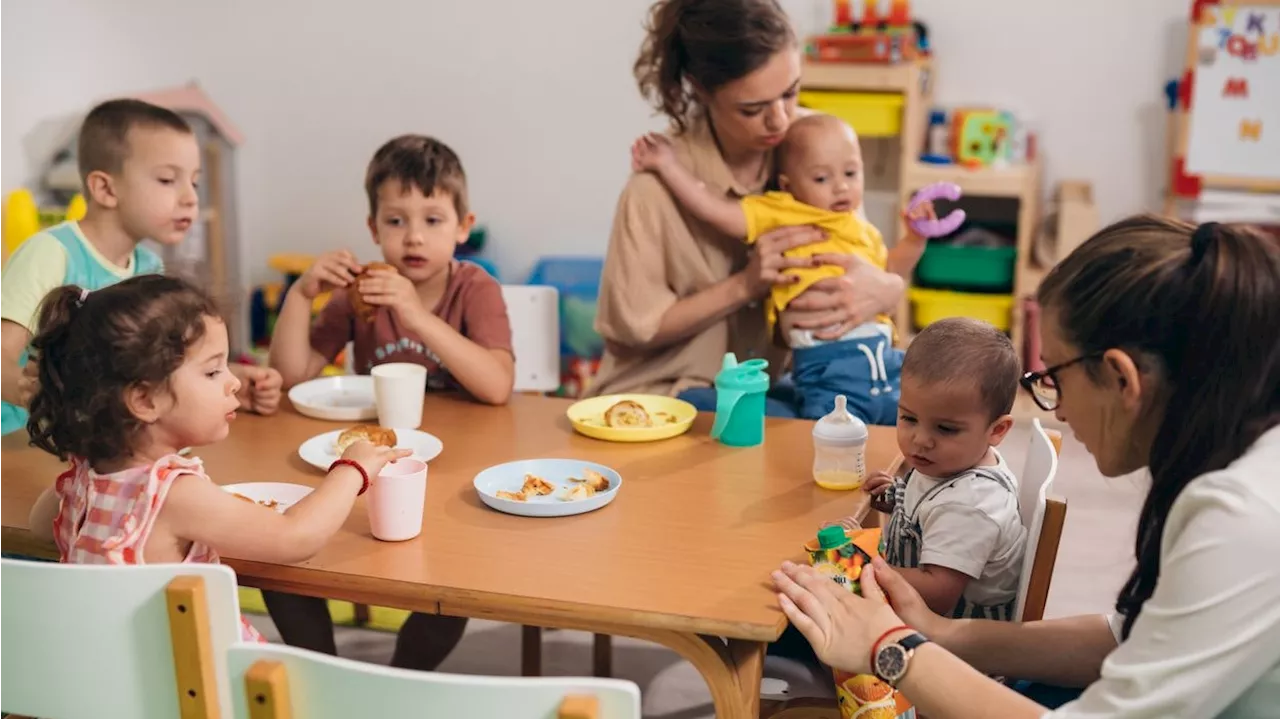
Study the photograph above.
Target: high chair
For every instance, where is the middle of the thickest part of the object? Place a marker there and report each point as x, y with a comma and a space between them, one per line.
272, 681
108, 642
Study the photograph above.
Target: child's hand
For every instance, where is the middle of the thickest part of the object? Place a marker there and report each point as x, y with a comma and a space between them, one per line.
923, 211
388, 288
260, 388
373, 457
878, 485
330, 271
652, 153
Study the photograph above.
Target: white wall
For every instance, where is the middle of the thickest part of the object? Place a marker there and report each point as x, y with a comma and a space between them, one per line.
537, 97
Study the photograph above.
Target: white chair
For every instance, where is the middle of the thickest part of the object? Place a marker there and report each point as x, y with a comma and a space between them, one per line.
280, 682
534, 312
1043, 517
108, 641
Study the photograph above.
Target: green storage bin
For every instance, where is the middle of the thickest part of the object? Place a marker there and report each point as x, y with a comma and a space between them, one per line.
987, 269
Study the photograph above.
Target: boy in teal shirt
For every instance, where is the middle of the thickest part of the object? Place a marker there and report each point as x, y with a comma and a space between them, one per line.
139, 164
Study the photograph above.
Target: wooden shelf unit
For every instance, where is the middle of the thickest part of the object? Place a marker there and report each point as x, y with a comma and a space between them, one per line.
914, 81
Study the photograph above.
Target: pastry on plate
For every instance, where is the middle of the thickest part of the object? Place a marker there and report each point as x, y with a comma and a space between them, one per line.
593, 479
513, 496
579, 490
628, 414
372, 433
365, 311
535, 486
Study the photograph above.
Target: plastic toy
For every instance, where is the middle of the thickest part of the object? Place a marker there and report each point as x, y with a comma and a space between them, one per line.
871, 37
980, 137
23, 218
942, 225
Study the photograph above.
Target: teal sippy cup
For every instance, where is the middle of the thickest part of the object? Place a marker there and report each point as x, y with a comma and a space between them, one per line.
740, 394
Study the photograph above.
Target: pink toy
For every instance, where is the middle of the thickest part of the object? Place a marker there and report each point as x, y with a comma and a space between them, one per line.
942, 225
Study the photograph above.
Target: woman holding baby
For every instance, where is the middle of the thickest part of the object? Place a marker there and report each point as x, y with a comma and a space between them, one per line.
676, 294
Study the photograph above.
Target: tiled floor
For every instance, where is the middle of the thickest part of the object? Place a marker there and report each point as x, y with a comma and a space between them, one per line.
1093, 560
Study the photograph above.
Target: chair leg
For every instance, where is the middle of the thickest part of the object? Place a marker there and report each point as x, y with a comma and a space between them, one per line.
602, 655
530, 651
361, 614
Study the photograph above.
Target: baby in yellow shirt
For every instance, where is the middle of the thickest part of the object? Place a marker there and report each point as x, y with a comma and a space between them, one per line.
819, 168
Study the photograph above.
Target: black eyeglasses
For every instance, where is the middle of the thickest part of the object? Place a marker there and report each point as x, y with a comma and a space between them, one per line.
1043, 385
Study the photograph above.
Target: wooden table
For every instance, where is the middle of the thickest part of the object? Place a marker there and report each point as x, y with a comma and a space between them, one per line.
682, 557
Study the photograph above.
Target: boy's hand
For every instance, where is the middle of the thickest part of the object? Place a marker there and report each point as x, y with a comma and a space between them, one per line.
330, 271
878, 485
652, 153
372, 457
387, 288
923, 211
260, 388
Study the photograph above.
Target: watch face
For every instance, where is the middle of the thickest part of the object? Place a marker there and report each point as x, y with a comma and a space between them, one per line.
891, 662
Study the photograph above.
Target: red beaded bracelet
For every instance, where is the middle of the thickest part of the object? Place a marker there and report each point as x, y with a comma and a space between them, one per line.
876, 644
356, 466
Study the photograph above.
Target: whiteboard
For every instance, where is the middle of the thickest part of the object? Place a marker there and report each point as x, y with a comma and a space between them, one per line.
1234, 115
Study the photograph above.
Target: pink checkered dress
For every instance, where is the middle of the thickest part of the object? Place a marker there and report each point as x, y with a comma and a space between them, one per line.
106, 518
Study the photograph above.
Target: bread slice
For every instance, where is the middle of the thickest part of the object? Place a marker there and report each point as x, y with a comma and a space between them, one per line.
365, 311
627, 413
372, 433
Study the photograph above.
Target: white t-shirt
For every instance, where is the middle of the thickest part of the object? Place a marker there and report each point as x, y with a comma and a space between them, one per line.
973, 527
1207, 642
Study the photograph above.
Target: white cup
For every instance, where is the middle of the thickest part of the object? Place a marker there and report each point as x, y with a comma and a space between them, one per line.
398, 390
395, 500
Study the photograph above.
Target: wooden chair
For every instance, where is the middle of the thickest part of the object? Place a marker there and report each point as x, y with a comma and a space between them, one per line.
102, 641
279, 682
534, 312
1043, 516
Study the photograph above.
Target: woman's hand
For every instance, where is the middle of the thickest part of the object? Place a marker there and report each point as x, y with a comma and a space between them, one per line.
834, 306
767, 262
839, 625
842, 626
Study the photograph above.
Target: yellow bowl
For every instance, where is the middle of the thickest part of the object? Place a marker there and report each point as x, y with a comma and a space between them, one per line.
587, 417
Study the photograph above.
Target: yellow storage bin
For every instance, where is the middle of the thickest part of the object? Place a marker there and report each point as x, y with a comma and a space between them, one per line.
871, 114
929, 306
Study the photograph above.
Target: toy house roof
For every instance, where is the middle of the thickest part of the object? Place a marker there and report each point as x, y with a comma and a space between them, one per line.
191, 98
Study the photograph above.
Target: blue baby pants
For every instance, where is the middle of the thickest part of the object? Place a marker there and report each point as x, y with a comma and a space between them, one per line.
866, 371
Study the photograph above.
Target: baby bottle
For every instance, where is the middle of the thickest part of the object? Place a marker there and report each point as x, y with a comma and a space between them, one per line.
839, 449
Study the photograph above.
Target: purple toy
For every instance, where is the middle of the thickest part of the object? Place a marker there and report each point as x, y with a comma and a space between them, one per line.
943, 225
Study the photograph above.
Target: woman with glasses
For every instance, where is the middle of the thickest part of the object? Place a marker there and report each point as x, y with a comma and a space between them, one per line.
1162, 346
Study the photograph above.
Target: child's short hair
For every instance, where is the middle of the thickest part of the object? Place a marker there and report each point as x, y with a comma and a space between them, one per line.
103, 144
93, 347
417, 161
959, 349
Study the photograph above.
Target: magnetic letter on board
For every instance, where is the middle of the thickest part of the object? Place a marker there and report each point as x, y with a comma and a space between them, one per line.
1236, 87
1251, 130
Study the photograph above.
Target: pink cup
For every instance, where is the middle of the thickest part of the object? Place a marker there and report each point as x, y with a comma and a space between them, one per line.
396, 499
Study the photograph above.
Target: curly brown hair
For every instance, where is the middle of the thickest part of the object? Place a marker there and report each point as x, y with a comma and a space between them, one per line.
91, 351
705, 44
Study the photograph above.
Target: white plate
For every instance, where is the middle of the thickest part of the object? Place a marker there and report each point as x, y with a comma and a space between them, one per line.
283, 493
319, 451
509, 477
346, 398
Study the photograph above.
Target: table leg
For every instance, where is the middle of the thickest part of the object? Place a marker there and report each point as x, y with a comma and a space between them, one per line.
732, 671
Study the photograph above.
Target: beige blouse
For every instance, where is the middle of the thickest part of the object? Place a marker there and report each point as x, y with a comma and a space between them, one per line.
658, 254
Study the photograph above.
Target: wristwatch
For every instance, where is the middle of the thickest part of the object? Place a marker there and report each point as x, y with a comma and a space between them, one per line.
892, 658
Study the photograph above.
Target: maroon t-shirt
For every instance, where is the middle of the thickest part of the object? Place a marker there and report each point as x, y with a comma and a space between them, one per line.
472, 304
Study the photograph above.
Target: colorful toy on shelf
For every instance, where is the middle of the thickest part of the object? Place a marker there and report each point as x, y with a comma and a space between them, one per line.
937, 141
980, 137
940, 226
874, 36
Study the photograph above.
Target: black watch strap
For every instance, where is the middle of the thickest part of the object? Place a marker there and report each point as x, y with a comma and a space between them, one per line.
911, 641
